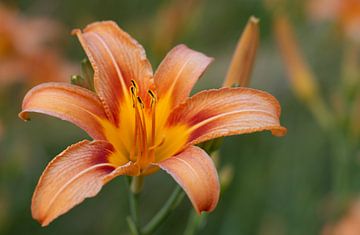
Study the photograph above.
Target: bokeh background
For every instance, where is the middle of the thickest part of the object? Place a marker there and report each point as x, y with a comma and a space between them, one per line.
280, 186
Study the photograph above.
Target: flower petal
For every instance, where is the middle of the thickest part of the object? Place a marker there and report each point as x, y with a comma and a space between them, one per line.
194, 170
68, 102
117, 59
77, 173
178, 73
227, 111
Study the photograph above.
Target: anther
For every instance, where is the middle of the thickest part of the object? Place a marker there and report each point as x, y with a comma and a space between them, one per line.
133, 95
140, 102
134, 83
153, 97
133, 90
152, 94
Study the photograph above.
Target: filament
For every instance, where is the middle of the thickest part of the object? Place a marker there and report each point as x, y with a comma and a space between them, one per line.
153, 125
143, 149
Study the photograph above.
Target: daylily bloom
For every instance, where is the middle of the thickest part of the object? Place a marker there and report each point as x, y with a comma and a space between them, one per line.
141, 122
346, 13
25, 54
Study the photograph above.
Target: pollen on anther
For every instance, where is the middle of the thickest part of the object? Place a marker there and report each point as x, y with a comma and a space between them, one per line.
152, 94
133, 95
140, 102
153, 97
133, 90
133, 83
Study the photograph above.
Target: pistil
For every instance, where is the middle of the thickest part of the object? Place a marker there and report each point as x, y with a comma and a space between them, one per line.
142, 158
144, 145
133, 90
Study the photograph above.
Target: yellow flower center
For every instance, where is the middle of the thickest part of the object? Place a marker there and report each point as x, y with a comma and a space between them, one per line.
143, 147
142, 135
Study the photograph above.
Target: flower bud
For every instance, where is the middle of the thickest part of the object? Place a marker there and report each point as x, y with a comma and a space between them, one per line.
241, 65
86, 80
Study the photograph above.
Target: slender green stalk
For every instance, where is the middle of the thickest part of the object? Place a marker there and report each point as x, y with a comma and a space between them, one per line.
132, 226
342, 141
137, 184
195, 223
321, 113
350, 71
173, 201
134, 207
134, 184
341, 170
133, 219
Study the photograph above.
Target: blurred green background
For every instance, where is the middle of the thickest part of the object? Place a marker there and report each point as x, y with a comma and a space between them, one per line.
280, 185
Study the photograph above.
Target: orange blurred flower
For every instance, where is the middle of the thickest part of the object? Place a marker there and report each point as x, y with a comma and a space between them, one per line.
172, 20
141, 122
25, 53
301, 77
349, 224
346, 13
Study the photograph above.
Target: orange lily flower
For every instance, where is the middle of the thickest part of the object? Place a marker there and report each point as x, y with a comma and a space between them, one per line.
346, 13
348, 224
172, 20
25, 52
141, 122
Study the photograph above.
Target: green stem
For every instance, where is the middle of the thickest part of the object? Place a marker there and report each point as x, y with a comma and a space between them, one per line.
133, 219
341, 173
350, 70
132, 226
321, 113
341, 170
194, 223
137, 184
164, 212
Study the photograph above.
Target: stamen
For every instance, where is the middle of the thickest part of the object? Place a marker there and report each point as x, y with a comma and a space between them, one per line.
153, 125
133, 95
142, 124
153, 96
137, 124
133, 90
143, 151
133, 83
140, 102
136, 131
